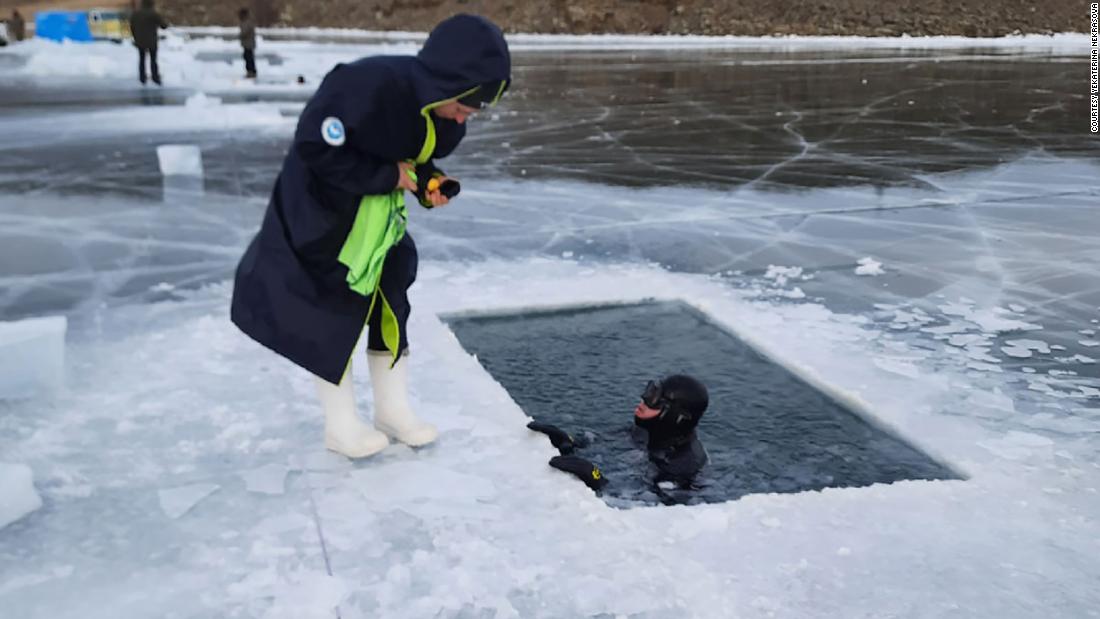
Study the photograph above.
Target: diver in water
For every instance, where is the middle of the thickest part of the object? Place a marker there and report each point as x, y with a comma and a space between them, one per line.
665, 420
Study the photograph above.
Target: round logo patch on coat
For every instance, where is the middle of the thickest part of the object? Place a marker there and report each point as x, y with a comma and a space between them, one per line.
332, 130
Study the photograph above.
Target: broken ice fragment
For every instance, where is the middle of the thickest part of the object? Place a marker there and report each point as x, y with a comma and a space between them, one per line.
178, 501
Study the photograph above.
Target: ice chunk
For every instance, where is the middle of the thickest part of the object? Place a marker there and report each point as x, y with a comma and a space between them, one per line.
895, 366
32, 356
179, 159
987, 319
1016, 445
1036, 345
980, 353
983, 367
993, 400
966, 339
17, 494
1089, 343
178, 501
201, 99
869, 266
954, 327
780, 274
268, 479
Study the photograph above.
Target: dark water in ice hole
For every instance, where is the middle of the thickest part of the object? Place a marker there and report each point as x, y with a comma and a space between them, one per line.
766, 430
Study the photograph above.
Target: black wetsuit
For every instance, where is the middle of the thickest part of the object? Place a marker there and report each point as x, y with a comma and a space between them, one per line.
675, 459
678, 459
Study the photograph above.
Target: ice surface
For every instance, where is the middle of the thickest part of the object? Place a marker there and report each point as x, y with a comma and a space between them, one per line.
17, 494
1017, 445
659, 182
179, 160
480, 519
267, 479
178, 501
408, 482
32, 356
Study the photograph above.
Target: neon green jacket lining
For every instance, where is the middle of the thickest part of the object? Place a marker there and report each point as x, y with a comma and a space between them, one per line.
380, 224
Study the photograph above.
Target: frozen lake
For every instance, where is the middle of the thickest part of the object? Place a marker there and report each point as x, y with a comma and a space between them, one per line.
914, 227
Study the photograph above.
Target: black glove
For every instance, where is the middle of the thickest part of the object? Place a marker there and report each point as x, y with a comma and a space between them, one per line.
425, 172
559, 438
587, 472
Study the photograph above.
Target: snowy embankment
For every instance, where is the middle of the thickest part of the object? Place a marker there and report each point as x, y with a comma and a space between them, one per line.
205, 64
1066, 42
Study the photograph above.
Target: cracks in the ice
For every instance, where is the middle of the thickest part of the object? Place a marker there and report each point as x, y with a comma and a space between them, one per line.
320, 532
804, 148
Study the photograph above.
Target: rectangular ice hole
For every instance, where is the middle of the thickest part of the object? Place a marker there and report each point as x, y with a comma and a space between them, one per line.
766, 430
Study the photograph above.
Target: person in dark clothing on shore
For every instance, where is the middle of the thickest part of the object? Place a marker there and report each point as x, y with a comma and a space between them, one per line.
665, 420
248, 42
332, 256
144, 24
17, 28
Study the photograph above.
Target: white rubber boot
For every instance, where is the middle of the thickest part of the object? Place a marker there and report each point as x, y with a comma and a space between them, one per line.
345, 432
392, 413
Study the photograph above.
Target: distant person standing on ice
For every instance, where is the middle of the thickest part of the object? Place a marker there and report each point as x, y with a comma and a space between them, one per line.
17, 28
248, 42
144, 24
332, 256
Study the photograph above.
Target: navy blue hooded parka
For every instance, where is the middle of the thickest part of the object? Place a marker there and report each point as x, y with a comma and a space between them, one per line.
291, 293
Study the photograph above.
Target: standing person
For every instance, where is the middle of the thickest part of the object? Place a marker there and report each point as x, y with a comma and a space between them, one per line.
248, 42
144, 24
17, 28
309, 283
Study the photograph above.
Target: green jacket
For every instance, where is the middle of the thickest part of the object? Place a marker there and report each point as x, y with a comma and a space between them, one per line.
380, 224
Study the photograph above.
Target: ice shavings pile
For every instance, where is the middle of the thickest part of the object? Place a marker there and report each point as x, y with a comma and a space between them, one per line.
869, 266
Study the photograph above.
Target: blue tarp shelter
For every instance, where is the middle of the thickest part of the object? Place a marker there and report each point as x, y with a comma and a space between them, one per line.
61, 25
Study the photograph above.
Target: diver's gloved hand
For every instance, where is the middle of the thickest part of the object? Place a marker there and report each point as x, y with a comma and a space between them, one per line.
587, 472
560, 439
